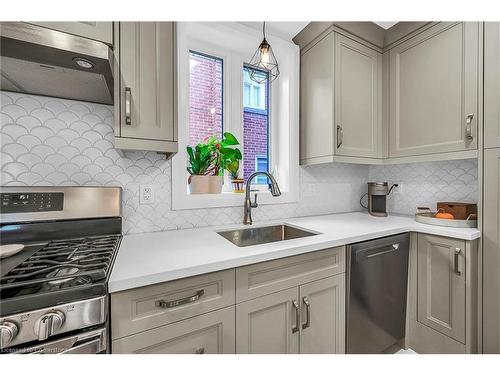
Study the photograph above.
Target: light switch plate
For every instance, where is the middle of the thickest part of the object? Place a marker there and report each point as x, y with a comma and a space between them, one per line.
146, 194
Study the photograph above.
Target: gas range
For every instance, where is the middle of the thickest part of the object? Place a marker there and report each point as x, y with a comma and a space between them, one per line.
54, 292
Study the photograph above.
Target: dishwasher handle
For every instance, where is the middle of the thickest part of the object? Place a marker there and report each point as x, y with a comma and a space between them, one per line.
376, 251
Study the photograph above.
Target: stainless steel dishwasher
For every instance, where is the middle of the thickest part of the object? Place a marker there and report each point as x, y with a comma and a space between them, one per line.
377, 275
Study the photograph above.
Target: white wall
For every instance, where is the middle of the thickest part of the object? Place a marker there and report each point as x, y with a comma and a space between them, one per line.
47, 141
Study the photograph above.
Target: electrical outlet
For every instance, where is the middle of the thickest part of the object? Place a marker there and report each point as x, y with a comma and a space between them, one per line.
146, 194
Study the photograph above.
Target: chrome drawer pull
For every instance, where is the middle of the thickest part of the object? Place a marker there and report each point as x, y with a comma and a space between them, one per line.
297, 316
340, 136
128, 110
308, 313
458, 261
179, 302
468, 127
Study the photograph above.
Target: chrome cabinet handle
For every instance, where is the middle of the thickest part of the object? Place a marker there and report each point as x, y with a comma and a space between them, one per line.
308, 313
295, 329
468, 127
458, 261
199, 351
128, 98
340, 136
179, 302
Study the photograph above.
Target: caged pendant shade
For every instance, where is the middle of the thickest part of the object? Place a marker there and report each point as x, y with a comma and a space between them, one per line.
264, 60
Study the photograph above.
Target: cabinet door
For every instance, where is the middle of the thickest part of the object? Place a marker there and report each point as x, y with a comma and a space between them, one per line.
441, 285
491, 252
358, 85
433, 91
146, 64
211, 333
102, 31
269, 324
316, 100
491, 84
323, 329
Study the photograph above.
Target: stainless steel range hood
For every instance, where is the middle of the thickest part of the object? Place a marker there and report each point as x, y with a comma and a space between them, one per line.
41, 61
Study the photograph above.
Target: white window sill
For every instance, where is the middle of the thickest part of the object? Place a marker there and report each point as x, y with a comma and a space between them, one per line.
229, 199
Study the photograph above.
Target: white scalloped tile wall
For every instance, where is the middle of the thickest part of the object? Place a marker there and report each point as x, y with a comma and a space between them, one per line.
424, 184
48, 141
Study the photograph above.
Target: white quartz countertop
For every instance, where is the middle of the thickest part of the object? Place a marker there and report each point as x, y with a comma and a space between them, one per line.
149, 258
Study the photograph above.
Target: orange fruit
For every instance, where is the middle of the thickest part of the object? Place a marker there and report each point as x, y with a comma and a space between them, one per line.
444, 215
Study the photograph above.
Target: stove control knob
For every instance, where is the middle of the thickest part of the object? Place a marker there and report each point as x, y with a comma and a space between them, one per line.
48, 324
8, 332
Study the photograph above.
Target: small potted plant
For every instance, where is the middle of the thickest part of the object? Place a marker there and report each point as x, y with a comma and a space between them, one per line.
207, 162
233, 169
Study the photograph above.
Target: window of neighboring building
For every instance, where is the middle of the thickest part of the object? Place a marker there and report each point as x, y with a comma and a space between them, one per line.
254, 94
255, 125
205, 97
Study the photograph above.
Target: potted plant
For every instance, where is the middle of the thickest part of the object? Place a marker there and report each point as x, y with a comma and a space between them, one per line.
233, 169
207, 162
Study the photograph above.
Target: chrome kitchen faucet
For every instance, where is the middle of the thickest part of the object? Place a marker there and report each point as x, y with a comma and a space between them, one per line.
275, 192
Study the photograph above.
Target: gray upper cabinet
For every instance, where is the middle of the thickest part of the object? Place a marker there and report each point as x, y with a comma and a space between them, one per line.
441, 303
145, 86
340, 109
358, 99
434, 91
101, 31
491, 84
316, 102
491, 254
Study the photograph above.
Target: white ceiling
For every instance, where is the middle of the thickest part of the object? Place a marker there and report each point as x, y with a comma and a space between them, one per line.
385, 24
284, 30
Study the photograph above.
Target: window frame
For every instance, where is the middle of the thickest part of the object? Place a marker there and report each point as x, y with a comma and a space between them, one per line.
212, 39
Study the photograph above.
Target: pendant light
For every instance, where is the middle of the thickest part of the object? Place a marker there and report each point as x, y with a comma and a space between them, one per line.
264, 60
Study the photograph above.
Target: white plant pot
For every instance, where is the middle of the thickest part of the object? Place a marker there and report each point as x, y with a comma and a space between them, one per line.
205, 184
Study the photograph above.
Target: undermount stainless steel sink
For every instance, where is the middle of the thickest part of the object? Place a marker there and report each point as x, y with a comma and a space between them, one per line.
261, 235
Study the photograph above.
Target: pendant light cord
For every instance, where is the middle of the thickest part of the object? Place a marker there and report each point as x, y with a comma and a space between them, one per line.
264, 29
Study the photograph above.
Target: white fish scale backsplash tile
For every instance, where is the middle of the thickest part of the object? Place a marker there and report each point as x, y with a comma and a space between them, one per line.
426, 183
48, 141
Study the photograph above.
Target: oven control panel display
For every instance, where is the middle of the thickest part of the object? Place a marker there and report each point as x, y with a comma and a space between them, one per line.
31, 202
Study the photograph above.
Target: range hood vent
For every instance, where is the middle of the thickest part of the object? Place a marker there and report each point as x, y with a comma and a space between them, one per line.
40, 61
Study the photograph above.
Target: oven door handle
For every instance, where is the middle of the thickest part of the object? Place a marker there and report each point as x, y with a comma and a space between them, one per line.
83, 343
89, 347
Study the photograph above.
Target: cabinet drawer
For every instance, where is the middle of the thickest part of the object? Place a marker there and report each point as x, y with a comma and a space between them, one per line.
211, 333
139, 309
268, 277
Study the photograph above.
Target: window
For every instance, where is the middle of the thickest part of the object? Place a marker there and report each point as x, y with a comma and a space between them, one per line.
254, 94
205, 97
261, 165
265, 113
255, 126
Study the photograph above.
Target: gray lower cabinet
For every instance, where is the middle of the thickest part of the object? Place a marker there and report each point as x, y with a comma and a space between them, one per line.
210, 333
145, 117
443, 295
309, 319
269, 324
322, 328
491, 252
441, 285
101, 31
491, 84
434, 91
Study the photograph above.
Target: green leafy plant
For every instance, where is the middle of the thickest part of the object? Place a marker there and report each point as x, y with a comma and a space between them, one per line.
213, 156
233, 169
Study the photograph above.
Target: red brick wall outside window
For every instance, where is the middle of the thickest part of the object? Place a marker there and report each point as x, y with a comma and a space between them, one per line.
206, 112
